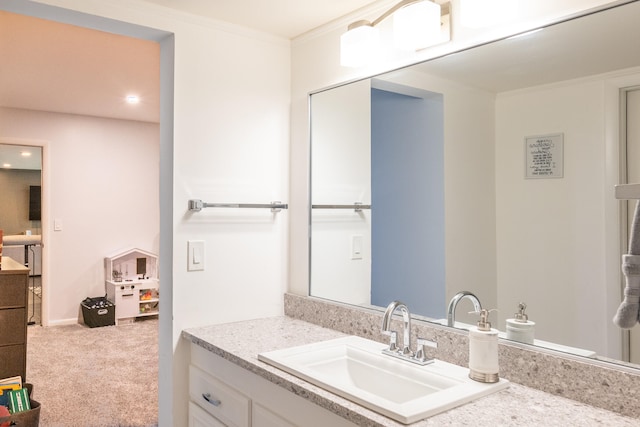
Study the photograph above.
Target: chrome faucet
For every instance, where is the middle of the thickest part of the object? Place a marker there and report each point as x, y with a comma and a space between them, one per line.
406, 321
405, 353
451, 309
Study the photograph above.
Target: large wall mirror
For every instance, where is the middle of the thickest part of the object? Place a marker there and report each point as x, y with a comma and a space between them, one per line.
489, 170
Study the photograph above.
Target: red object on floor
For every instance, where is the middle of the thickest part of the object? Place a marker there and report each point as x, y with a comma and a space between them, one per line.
4, 412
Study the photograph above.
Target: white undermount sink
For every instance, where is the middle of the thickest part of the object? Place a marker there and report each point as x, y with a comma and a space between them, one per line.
355, 368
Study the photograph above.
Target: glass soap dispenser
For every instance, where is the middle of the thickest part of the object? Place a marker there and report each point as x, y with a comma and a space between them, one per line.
520, 328
483, 351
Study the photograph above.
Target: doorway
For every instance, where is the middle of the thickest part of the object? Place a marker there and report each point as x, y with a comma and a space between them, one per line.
21, 177
166, 42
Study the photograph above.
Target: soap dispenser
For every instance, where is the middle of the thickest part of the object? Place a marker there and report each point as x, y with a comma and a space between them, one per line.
520, 328
483, 351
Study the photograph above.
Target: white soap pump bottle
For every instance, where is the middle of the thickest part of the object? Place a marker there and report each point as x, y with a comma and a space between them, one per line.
483, 351
520, 328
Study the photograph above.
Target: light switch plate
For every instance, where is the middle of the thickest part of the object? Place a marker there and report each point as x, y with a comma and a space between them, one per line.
356, 246
195, 257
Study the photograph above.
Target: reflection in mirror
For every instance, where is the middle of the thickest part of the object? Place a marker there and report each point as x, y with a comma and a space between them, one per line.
438, 150
389, 137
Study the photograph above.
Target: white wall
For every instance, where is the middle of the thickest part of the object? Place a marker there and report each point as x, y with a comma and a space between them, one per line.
102, 179
228, 135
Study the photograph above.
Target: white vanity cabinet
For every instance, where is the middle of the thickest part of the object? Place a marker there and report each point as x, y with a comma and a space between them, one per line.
198, 417
224, 394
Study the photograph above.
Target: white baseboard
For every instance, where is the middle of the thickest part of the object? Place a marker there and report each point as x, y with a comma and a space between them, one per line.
62, 322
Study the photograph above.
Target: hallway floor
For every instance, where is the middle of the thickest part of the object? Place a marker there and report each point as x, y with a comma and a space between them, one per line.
34, 313
99, 377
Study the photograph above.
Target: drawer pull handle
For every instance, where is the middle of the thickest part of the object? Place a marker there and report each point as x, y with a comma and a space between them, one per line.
208, 398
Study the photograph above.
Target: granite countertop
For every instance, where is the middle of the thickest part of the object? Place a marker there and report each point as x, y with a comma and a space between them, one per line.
240, 343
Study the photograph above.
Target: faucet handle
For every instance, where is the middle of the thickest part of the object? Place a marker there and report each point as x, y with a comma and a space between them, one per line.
393, 339
420, 353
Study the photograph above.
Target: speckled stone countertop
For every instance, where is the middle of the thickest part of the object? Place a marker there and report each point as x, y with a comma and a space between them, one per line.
241, 342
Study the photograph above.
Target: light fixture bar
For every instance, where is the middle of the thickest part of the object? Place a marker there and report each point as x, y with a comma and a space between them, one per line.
419, 28
398, 6
444, 8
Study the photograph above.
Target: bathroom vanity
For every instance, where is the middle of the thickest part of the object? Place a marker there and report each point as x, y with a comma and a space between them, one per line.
228, 385
13, 318
224, 393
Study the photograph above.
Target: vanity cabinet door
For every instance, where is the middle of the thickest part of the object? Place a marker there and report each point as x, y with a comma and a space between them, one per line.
198, 417
262, 417
218, 398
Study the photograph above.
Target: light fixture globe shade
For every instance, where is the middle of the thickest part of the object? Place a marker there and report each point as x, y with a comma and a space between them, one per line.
358, 46
417, 25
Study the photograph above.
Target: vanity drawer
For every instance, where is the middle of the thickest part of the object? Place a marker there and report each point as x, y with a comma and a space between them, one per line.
13, 360
262, 417
13, 291
198, 417
217, 398
13, 324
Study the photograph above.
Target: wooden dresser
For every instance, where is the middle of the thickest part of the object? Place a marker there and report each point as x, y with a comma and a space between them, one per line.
14, 279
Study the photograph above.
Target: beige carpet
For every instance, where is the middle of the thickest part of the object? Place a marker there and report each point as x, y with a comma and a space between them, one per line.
95, 377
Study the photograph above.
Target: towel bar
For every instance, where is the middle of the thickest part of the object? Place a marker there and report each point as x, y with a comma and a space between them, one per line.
196, 205
358, 207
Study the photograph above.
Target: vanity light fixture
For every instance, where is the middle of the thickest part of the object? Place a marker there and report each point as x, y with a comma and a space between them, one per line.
416, 25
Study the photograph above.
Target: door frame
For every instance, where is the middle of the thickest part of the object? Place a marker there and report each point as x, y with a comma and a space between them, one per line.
615, 241
627, 205
44, 200
167, 68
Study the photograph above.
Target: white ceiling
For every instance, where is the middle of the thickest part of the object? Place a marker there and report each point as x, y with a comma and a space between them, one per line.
49, 66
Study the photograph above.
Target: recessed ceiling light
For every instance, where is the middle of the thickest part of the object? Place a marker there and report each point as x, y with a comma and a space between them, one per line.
6, 165
25, 153
133, 99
